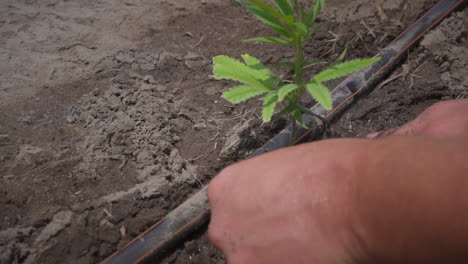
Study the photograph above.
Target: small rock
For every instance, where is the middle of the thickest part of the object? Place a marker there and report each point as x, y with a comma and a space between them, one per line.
175, 139
30, 155
144, 157
12, 234
161, 88
126, 123
445, 66
148, 172
234, 139
70, 119
114, 103
4, 138
123, 231
60, 220
149, 79
96, 92
192, 56
8, 177
446, 76
130, 100
73, 114
26, 120
199, 126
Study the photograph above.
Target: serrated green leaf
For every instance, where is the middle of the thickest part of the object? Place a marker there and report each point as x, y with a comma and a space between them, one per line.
289, 20
269, 40
321, 94
312, 62
296, 113
311, 32
310, 19
261, 71
302, 14
253, 62
343, 69
231, 69
309, 62
269, 19
242, 93
287, 110
340, 59
269, 104
342, 56
285, 90
269, 16
285, 64
301, 27
265, 7
285, 7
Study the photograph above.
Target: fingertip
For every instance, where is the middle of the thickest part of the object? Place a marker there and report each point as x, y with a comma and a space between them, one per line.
373, 135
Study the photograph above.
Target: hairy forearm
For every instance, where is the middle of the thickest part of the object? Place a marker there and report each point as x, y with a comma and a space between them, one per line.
412, 201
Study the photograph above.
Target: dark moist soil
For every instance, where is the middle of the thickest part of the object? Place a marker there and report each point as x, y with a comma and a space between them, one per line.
110, 118
434, 71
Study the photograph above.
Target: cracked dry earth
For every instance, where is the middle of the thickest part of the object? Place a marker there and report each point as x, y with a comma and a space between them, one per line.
109, 117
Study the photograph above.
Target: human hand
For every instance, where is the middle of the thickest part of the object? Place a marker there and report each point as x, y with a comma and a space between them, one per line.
444, 119
395, 200
290, 206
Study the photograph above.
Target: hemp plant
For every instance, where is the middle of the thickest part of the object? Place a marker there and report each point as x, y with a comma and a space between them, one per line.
294, 22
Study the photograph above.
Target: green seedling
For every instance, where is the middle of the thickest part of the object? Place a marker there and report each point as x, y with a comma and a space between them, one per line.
294, 23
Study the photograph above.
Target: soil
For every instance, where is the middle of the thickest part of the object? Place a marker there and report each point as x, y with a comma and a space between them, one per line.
110, 118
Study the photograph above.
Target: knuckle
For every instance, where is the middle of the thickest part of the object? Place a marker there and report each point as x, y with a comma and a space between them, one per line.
447, 106
222, 239
238, 259
442, 104
218, 183
216, 234
437, 107
215, 186
219, 187
213, 235
228, 171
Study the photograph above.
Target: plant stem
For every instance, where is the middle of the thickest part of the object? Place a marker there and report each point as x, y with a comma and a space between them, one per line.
292, 138
298, 80
299, 63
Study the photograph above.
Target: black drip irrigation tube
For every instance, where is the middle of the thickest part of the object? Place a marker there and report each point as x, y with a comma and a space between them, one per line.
195, 212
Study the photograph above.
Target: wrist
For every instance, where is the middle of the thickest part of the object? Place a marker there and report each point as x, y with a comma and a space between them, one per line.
410, 201
341, 219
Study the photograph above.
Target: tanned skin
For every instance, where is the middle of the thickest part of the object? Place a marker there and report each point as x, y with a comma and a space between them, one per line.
400, 196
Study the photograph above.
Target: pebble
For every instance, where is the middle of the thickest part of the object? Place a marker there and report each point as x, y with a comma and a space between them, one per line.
8, 177
4, 138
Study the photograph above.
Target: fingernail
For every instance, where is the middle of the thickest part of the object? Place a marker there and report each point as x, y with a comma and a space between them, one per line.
373, 135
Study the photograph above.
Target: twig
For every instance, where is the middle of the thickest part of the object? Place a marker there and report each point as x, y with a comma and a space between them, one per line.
335, 40
362, 39
378, 41
216, 136
324, 121
75, 45
199, 42
197, 158
369, 30
412, 74
389, 80
107, 213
